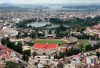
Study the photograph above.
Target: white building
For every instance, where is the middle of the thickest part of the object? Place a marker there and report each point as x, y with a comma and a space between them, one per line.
92, 60
9, 31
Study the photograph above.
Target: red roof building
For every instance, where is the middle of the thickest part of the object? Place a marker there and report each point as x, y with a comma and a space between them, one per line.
97, 27
2, 47
5, 52
45, 46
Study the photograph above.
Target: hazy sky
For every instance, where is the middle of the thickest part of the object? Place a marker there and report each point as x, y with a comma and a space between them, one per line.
49, 1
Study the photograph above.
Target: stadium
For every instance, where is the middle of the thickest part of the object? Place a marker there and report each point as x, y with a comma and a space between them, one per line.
50, 46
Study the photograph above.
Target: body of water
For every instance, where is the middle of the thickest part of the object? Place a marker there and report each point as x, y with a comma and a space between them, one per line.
41, 24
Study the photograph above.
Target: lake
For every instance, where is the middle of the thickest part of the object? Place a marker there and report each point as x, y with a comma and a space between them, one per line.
41, 24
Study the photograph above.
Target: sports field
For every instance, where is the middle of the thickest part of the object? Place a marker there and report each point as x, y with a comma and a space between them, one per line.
54, 41
83, 42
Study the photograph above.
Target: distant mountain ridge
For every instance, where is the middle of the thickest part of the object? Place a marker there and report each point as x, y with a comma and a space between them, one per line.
8, 6
85, 7
72, 6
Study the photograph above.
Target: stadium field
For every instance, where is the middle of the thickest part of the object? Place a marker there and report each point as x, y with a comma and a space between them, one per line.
50, 41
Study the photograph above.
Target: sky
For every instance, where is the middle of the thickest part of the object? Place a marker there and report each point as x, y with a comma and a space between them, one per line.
48, 1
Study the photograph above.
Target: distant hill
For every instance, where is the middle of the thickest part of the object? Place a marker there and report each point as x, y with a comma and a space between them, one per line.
22, 6
8, 6
87, 7
51, 6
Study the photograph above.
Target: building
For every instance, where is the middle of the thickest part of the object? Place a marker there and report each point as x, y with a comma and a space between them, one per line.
48, 49
7, 54
94, 31
26, 48
92, 60
9, 31
50, 35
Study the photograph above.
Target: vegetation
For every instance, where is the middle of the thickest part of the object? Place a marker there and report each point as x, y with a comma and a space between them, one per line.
17, 47
98, 54
25, 57
77, 22
82, 48
11, 65
55, 41
83, 42
23, 24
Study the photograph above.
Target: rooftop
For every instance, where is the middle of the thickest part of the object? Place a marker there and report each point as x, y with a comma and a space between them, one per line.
45, 46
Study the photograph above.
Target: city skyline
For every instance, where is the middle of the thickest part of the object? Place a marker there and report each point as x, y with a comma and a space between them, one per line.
48, 1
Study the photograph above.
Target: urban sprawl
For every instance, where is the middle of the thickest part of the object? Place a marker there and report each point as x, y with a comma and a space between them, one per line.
74, 41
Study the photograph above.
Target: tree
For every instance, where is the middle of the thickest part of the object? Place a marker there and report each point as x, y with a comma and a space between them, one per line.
88, 48
61, 55
40, 35
68, 53
25, 35
75, 51
3, 42
34, 54
81, 47
32, 35
98, 54
96, 46
11, 65
50, 32
18, 47
27, 52
11, 45
56, 56
25, 58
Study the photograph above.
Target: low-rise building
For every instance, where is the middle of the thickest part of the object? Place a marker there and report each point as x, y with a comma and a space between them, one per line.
9, 31
48, 49
94, 31
92, 60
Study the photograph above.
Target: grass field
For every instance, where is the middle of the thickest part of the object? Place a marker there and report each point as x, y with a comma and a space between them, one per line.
84, 42
55, 41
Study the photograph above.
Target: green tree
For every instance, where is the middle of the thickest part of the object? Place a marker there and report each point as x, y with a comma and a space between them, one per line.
18, 47
11, 65
3, 42
68, 53
81, 47
75, 50
50, 32
27, 52
98, 54
88, 48
32, 35
25, 57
